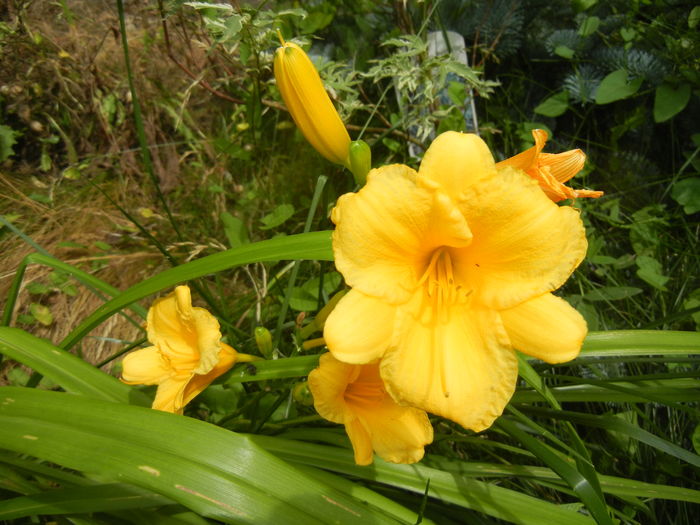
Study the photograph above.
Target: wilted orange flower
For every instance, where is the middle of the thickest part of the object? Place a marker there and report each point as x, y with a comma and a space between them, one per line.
451, 268
187, 352
354, 395
551, 170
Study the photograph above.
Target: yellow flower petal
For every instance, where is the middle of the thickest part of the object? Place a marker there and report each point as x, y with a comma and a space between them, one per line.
359, 328
198, 382
456, 161
309, 105
546, 327
328, 383
188, 336
355, 396
460, 367
361, 441
169, 394
398, 434
524, 245
380, 249
145, 367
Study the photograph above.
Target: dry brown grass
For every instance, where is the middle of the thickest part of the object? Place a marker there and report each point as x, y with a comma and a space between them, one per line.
84, 223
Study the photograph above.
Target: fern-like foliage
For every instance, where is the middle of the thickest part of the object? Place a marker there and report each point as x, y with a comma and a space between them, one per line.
493, 24
638, 62
582, 83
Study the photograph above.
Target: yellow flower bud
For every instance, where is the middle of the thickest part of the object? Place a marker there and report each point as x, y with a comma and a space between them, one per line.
309, 104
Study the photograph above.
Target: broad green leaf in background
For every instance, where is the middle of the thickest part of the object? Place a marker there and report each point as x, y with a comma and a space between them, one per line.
611, 293
651, 271
670, 100
8, 138
589, 25
554, 106
235, 230
616, 86
686, 192
277, 216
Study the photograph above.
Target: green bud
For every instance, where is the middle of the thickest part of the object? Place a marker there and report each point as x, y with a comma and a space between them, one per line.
302, 394
360, 157
263, 338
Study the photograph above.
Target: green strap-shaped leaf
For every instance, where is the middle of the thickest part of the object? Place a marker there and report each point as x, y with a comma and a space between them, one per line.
65, 369
583, 488
489, 498
212, 471
615, 343
304, 246
80, 500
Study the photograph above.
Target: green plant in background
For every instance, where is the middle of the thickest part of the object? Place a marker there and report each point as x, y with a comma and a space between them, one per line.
607, 438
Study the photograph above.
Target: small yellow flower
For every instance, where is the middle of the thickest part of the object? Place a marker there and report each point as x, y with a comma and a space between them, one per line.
309, 104
551, 170
354, 395
187, 352
451, 268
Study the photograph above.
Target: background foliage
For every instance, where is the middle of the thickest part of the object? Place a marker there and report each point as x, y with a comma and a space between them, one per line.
88, 211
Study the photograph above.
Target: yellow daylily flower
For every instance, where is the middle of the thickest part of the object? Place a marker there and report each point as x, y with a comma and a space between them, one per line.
309, 104
451, 268
551, 170
354, 396
187, 352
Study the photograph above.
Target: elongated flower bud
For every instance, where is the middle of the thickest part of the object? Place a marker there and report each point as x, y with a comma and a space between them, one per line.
309, 104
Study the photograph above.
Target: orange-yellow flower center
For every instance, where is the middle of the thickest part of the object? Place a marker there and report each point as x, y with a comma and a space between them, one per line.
368, 388
439, 281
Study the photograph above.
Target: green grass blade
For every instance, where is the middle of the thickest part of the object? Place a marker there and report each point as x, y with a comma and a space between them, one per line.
303, 246
622, 390
616, 424
610, 484
65, 369
584, 463
491, 499
370, 497
273, 369
583, 488
207, 469
640, 342
318, 191
81, 500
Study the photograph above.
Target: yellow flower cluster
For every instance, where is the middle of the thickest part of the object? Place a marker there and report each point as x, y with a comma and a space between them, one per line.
451, 268
187, 352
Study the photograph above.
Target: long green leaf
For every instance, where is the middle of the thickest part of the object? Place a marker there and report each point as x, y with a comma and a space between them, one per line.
618, 425
663, 391
81, 500
583, 488
272, 369
65, 369
207, 469
488, 498
640, 342
314, 245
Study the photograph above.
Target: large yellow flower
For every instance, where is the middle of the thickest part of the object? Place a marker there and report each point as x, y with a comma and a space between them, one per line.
354, 395
451, 268
551, 170
187, 352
